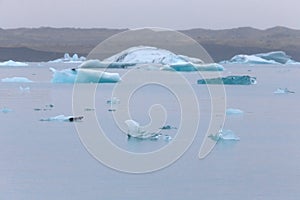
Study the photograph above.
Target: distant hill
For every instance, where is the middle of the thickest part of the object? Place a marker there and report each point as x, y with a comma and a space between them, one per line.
42, 44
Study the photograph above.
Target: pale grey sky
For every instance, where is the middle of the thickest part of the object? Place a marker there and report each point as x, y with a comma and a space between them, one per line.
175, 14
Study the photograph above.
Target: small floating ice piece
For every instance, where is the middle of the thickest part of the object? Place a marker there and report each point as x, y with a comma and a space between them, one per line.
283, 91
234, 111
24, 89
62, 118
5, 110
224, 135
167, 138
16, 80
167, 127
113, 101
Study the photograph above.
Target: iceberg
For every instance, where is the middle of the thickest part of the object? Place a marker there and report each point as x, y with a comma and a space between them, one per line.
12, 63
62, 118
84, 76
230, 80
104, 64
152, 57
224, 135
16, 80
69, 59
24, 89
275, 57
113, 101
234, 111
136, 131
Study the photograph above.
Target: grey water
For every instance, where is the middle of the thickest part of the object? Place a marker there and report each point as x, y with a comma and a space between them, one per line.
47, 160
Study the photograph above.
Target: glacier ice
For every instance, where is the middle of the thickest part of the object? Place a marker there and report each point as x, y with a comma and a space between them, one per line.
63, 118
224, 135
152, 58
282, 91
12, 63
84, 76
275, 57
234, 111
230, 80
16, 80
69, 59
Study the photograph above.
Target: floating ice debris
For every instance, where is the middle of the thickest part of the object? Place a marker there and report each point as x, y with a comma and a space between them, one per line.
112, 110
167, 127
47, 107
283, 91
233, 111
62, 118
84, 76
230, 80
24, 89
68, 59
276, 57
167, 138
89, 109
16, 80
224, 135
113, 101
136, 131
12, 63
5, 110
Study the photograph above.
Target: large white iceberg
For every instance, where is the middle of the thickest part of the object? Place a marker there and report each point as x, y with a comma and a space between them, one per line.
69, 59
84, 76
276, 57
152, 58
16, 80
12, 63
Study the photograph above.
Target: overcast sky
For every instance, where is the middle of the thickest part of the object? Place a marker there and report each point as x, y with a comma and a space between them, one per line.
175, 14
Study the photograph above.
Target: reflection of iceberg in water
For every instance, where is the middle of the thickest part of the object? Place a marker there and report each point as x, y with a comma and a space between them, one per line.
224, 135
84, 76
230, 80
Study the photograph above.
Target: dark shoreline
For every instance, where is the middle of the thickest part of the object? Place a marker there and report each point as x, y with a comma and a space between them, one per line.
44, 44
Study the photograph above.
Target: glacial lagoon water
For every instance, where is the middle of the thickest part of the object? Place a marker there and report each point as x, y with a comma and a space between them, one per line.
46, 160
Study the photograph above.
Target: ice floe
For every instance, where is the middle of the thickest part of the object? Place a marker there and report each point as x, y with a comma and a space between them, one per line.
16, 80
275, 57
12, 63
230, 80
136, 131
84, 76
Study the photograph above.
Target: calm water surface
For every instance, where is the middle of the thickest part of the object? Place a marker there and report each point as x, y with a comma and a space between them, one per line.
46, 160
